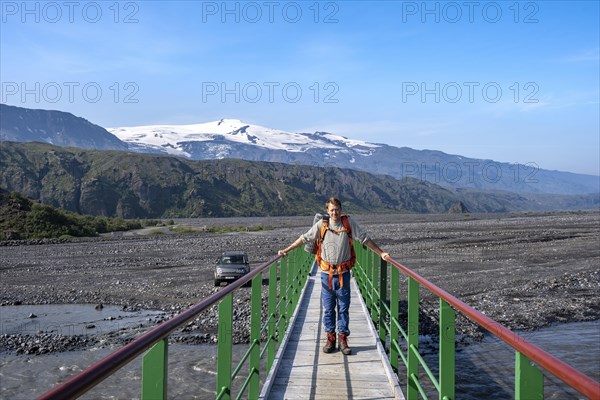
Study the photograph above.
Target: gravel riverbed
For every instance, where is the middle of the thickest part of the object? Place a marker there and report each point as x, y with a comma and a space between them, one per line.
523, 270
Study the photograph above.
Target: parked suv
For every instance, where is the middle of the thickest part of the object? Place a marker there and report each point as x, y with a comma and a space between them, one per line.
231, 265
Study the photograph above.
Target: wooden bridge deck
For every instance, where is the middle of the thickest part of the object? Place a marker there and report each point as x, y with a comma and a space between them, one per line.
303, 371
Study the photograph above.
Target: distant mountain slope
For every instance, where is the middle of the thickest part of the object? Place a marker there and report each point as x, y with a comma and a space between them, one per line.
56, 127
231, 138
130, 185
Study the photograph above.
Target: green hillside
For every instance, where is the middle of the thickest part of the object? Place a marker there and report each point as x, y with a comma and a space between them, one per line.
133, 185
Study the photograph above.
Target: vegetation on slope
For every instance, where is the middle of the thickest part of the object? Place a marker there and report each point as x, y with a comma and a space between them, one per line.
112, 183
132, 185
21, 218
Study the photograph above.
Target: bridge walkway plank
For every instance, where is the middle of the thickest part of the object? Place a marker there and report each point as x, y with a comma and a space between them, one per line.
304, 372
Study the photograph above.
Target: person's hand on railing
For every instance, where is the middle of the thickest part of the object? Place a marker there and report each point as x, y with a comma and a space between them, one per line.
291, 247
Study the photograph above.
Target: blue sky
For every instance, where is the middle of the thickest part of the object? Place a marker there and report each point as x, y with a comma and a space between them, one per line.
510, 81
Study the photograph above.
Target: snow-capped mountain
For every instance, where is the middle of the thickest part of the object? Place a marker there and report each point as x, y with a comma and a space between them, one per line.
231, 135
232, 138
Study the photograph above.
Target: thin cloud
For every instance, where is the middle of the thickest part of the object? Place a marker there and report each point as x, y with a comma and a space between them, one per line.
583, 56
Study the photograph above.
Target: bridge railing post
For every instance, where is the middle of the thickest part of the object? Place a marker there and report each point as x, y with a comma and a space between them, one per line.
413, 340
225, 347
375, 302
293, 273
154, 372
394, 317
383, 286
283, 297
272, 310
529, 380
447, 351
255, 325
366, 276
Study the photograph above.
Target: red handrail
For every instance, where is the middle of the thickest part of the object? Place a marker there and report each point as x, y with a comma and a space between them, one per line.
572, 377
96, 373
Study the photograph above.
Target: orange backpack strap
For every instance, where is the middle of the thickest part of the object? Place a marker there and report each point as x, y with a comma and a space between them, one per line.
346, 265
346, 223
324, 229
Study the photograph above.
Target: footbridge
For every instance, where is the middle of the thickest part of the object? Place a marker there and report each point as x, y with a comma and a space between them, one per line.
284, 358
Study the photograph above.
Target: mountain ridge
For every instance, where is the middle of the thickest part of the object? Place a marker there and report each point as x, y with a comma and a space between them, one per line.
129, 185
231, 138
211, 141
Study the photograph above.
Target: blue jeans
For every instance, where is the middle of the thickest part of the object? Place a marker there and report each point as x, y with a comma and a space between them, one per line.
336, 296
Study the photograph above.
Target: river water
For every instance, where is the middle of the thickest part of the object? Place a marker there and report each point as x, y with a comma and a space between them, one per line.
485, 370
70, 319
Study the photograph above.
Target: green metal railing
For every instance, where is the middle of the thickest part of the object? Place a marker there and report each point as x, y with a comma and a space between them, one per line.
382, 296
293, 274
283, 294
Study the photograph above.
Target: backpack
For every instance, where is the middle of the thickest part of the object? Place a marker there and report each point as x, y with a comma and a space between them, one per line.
315, 248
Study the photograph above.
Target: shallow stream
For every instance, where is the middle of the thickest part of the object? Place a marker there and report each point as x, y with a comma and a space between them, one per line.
485, 370
70, 319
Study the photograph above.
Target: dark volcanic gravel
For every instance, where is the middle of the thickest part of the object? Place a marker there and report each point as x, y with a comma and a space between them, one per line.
523, 270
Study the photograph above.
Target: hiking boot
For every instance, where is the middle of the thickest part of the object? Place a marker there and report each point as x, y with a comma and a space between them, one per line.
330, 345
344, 344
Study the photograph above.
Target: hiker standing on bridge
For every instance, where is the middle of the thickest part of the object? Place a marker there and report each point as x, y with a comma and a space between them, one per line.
335, 257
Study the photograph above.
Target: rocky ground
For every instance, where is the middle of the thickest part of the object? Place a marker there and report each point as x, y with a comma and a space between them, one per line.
523, 270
